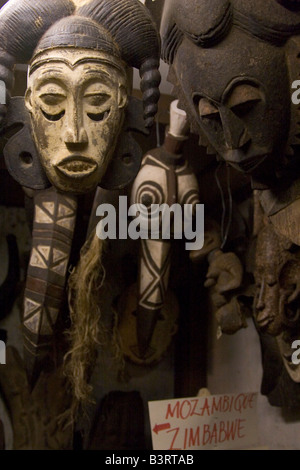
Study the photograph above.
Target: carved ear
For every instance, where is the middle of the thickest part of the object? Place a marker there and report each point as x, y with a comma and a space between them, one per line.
122, 96
124, 165
20, 153
127, 158
28, 101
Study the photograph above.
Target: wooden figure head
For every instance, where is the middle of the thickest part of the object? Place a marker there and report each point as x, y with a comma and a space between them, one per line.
76, 97
233, 64
78, 86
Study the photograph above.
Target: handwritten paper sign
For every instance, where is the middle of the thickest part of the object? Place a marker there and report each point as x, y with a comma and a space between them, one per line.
200, 423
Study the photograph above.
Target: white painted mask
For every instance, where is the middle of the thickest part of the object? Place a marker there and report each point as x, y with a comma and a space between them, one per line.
76, 99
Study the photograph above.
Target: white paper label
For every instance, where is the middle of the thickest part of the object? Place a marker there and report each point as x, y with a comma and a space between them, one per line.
200, 423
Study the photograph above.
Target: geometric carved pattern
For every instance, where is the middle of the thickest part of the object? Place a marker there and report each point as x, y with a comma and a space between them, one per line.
41, 320
61, 266
60, 211
33, 323
54, 223
154, 273
42, 216
49, 206
30, 307
66, 222
58, 255
65, 211
53, 259
40, 257
163, 179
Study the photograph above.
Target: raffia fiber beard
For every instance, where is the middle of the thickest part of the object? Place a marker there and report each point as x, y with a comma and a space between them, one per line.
86, 332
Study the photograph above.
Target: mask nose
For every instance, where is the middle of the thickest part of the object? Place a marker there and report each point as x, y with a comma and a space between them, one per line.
75, 133
235, 133
76, 136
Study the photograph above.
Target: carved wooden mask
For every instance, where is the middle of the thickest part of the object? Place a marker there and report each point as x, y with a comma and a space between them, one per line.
76, 98
77, 89
277, 268
229, 65
235, 101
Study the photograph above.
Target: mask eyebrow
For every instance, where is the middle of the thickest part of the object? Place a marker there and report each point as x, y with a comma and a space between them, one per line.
242, 94
238, 82
51, 80
97, 74
53, 70
49, 67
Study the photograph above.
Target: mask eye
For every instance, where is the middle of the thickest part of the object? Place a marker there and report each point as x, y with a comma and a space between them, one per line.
98, 116
52, 99
53, 117
243, 98
208, 110
96, 99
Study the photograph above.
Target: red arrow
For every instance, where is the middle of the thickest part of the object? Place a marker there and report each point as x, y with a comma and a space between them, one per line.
161, 427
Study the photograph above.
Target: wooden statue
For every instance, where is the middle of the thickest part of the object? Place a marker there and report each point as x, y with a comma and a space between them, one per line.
277, 277
234, 65
164, 178
73, 134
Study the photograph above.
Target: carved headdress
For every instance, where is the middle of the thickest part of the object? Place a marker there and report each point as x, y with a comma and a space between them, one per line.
123, 28
206, 25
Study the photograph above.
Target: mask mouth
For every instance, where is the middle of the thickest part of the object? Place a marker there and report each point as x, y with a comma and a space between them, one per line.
265, 321
76, 166
247, 165
269, 324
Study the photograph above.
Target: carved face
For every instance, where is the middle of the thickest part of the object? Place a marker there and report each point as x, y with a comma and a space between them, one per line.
76, 100
237, 94
269, 308
276, 306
